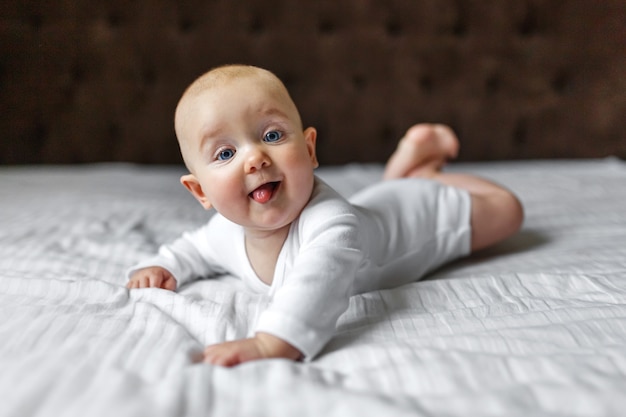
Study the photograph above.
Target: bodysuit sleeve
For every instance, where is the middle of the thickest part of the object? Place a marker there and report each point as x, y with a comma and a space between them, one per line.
189, 257
316, 290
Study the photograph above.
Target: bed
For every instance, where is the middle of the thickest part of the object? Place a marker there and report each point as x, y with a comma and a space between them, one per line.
535, 326
89, 167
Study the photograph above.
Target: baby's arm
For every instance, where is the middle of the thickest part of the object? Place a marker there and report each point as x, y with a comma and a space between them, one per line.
152, 277
176, 263
315, 292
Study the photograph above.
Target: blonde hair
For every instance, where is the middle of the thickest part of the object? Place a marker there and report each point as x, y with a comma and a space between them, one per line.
226, 73
222, 74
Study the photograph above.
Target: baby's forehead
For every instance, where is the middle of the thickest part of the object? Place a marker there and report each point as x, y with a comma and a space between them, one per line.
226, 77
241, 95
249, 88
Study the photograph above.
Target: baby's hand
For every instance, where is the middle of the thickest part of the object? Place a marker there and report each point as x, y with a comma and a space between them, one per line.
153, 276
261, 346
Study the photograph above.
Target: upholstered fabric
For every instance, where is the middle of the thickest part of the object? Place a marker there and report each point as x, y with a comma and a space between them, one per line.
98, 81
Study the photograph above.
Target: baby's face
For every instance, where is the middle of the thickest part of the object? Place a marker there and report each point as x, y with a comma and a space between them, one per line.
244, 143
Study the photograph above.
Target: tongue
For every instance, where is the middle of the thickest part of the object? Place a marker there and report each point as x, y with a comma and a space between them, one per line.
263, 193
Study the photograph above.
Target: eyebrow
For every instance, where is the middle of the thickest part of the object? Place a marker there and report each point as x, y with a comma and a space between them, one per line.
208, 133
273, 111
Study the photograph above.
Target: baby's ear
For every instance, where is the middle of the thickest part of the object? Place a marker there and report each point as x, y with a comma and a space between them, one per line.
310, 138
192, 184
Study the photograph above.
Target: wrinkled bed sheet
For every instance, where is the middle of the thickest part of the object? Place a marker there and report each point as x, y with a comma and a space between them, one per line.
534, 326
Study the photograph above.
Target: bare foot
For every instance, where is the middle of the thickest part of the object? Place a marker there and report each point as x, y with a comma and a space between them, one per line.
422, 151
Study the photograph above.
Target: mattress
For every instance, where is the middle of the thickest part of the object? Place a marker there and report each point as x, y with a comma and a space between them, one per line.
534, 326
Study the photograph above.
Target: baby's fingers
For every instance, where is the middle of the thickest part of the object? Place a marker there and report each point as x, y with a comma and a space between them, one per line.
142, 281
134, 283
169, 283
152, 278
217, 358
163, 280
155, 280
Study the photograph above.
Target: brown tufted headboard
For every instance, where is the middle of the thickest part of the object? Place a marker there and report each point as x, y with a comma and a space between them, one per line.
85, 81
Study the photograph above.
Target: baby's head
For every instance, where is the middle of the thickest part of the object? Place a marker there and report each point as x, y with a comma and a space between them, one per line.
242, 139
223, 78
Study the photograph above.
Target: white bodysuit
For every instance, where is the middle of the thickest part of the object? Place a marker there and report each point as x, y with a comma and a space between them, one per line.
387, 235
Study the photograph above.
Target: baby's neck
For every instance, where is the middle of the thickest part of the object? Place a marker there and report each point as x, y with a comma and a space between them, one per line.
263, 250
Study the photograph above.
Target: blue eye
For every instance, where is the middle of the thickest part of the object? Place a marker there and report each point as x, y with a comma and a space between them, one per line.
272, 136
225, 155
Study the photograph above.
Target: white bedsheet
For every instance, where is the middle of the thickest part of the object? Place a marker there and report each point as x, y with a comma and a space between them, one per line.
535, 326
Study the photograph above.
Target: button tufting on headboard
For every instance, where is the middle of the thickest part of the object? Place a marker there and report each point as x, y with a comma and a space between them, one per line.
99, 81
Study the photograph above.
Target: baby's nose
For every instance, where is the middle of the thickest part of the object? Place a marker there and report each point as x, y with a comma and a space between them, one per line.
256, 159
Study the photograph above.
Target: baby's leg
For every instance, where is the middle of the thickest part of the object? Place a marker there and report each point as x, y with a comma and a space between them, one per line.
422, 151
496, 212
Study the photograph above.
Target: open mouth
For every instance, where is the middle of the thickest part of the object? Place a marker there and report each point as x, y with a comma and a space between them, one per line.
265, 192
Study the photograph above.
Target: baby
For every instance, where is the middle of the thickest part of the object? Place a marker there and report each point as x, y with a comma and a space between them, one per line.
286, 233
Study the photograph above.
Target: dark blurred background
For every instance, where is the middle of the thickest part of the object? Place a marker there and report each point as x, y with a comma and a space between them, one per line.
87, 81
